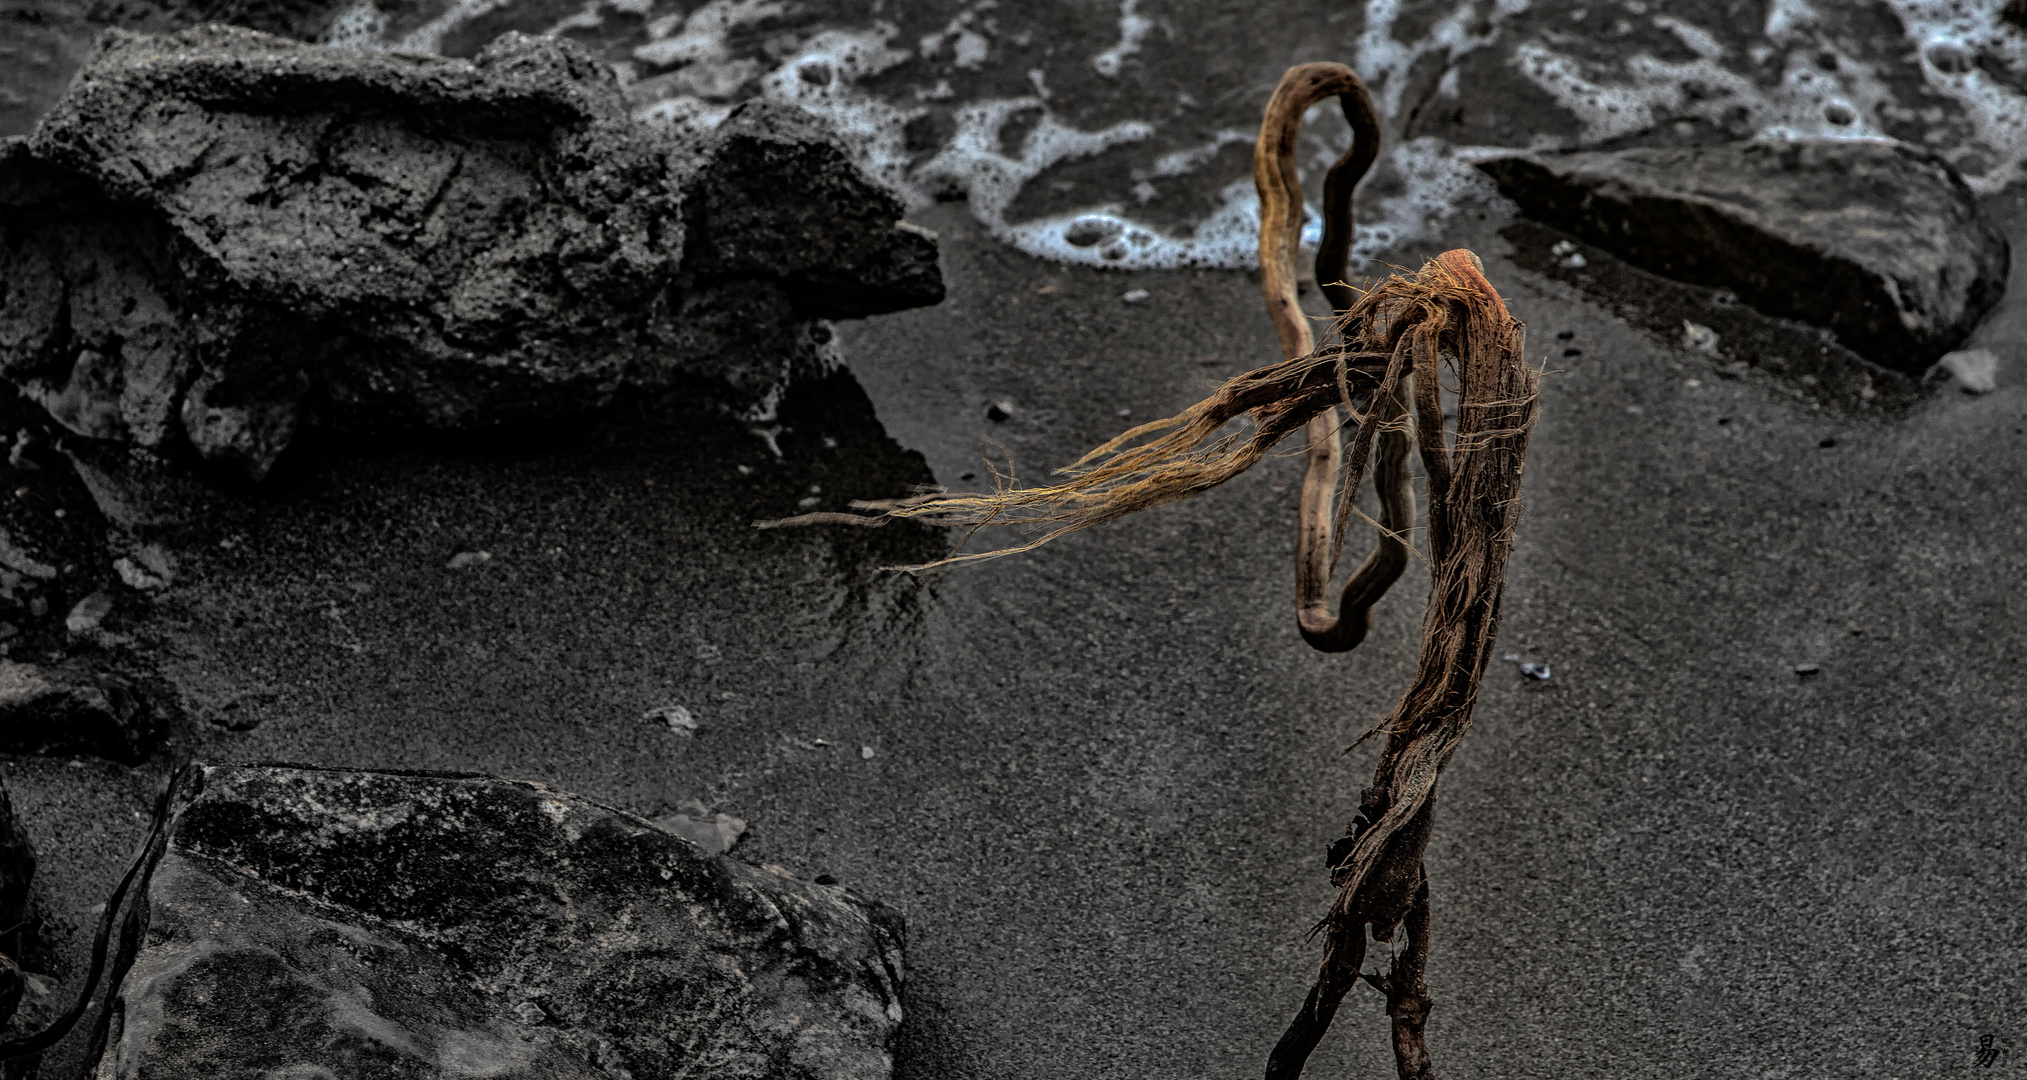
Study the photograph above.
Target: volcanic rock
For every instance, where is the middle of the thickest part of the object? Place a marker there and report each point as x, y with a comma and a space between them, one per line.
17, 864
308, 922
75, 708
219, 235
1880, 242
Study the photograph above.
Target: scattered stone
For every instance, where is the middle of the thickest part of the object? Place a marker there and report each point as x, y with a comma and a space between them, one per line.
717, 835
213, 229
468, 558
1511, 658
308, 922
866, 753
17, 455
999, 411
73, 708
678, 719
137, 577
1826, 442
1697, 337
88, 613
1881, 242
1535, 671
1976, 371
15, 558
1133, 296
1806, 670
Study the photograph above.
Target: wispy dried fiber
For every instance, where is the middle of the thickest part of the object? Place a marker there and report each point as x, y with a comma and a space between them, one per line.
1175, 458
1385, 363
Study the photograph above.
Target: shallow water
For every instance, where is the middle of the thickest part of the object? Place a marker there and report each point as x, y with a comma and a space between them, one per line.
1119, 135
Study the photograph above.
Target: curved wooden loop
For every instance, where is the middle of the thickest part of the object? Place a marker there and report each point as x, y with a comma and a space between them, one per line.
1320, 537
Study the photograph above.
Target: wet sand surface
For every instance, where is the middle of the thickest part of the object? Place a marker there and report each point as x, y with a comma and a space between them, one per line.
1099, 779
1103, 774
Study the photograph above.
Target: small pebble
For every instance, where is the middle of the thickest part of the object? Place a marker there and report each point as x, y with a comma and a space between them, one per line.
715, 833
1535, 671
1565, 335
999, 411
1575, 262
678, 719
866, 753
1806, 669
468, 558
1133, 297
1826, 443
826, 879
1562, 248
1572, 352
1976, 371
1698, 338
89, 613
1123, 413
136, 577
1511, 658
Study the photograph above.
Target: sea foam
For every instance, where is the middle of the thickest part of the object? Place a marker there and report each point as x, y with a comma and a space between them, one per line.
1791, 77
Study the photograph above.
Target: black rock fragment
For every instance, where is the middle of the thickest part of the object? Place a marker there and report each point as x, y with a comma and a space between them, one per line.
75, 708
304, 921
1879, 242
218, 235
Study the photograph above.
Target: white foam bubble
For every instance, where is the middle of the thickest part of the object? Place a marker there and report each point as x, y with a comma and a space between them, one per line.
1823, 91
1133, 28
360, 26
1997, 113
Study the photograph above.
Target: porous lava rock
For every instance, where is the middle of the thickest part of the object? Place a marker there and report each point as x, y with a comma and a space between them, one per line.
308, 922
1880, 242
219, 235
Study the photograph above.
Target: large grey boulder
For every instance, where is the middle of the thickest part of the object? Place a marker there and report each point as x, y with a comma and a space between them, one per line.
218, 235
317, 923
1880, 242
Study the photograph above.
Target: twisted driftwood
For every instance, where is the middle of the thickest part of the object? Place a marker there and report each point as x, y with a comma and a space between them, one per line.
1383, 366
